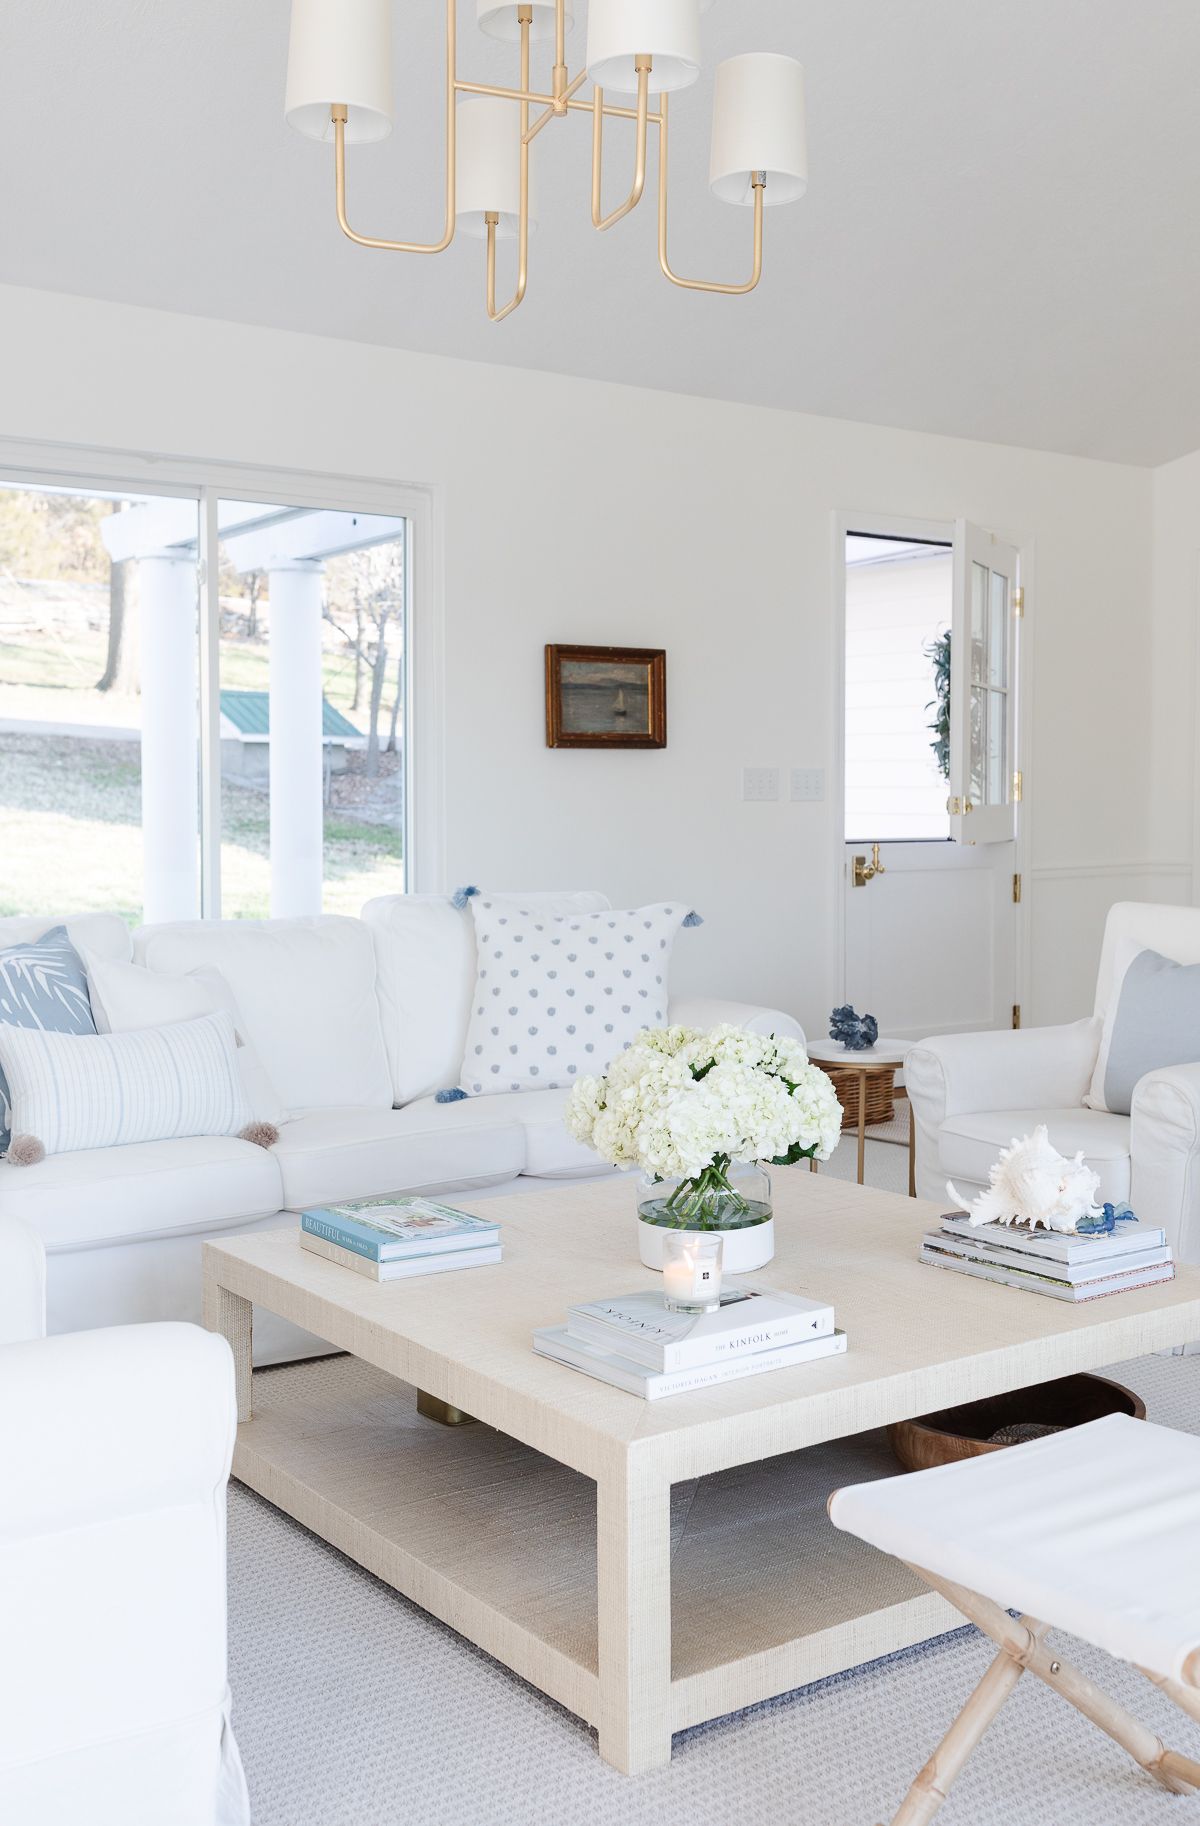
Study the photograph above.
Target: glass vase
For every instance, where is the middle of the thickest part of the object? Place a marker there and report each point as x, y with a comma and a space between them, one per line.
733, 1200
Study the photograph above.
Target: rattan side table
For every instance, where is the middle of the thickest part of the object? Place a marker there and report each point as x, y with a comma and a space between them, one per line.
869, 1077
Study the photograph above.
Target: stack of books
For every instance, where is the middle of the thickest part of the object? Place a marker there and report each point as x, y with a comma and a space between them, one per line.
393, 1239
637, 1344
1062, 1266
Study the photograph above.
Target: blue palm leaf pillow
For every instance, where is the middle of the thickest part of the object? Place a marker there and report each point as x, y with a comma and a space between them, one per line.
43, 985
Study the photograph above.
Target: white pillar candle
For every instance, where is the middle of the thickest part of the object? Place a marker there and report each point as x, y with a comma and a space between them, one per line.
692, 1271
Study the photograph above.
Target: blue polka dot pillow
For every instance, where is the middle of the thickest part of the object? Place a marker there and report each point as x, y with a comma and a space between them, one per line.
557, 997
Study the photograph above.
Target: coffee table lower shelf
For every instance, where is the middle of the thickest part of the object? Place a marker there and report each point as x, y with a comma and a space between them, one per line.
500, 1543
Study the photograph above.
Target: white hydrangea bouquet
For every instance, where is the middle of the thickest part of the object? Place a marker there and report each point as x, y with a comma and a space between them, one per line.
690, 1108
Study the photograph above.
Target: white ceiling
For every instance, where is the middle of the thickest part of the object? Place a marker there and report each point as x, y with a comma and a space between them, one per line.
1001, 237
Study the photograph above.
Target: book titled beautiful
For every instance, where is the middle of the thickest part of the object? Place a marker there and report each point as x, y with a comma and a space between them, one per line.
394, 1228
652, 1385
749, 1319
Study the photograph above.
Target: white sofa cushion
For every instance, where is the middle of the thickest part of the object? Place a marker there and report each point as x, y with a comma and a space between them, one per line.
551, 1152
968, 1146
104, 933
326, 1155
154, 1188
558, 997
426, 951
306, 991
126, 997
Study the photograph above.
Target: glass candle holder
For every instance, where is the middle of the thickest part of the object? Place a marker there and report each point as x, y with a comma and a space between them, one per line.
692, 1271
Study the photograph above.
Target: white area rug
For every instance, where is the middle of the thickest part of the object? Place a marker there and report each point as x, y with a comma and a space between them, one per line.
354, 1708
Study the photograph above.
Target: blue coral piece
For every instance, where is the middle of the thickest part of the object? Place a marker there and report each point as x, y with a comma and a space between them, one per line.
1106, 1223
856, 1032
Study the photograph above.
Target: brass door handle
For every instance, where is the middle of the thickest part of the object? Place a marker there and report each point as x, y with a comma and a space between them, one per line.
865, 871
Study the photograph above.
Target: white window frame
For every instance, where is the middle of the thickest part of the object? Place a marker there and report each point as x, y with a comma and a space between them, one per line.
30, 464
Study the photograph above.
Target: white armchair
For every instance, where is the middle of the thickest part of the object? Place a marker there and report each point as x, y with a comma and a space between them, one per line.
972, 1093
115, 1448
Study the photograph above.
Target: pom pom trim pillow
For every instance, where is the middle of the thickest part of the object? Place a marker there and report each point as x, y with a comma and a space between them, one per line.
75, 1091
558, 996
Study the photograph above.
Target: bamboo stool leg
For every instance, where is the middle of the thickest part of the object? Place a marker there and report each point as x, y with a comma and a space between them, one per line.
1022, 1642
946, 1764
1186, 1698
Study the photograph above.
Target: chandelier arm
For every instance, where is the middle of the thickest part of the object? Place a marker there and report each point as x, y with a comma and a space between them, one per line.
706, 285
599, 220
338, 116
525, 15
559, 108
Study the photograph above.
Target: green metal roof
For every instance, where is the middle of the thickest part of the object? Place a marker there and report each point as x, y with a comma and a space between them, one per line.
250, 714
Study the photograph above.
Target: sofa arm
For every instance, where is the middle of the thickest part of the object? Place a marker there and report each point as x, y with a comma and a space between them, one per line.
1027, 1068
22, 1282
96, 1425
706, 1011
1165, 1155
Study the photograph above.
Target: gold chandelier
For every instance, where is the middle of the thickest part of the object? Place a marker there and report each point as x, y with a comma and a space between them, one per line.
339, 88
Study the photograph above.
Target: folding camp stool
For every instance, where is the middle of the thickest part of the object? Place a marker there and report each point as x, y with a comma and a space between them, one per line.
1095, 1530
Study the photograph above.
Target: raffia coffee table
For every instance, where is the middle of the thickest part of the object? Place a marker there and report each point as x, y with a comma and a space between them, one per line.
568, 1535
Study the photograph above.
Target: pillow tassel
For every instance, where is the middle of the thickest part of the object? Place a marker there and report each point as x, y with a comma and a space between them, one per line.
460, 899
25, 1151
694, 919
454, 1096
259, 1134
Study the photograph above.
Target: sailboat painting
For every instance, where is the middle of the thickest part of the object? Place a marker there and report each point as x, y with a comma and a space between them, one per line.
606, 697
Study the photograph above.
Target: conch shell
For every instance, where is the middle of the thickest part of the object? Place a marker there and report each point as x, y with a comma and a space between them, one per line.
1033, 1184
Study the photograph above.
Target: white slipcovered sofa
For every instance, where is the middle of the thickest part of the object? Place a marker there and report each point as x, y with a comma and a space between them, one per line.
972, 1093
116, 1446
359, 1023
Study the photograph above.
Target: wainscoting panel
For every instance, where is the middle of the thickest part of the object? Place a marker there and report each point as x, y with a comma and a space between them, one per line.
1069, 907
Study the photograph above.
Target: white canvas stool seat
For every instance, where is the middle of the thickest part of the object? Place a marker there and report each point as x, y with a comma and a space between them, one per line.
1092, 1530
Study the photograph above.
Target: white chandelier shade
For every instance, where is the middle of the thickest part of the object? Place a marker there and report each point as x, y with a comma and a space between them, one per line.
489, 168
759, 126
499, 19
619, 31
340, 51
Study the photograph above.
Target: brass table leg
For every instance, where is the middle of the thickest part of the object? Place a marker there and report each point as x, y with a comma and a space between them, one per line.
432, 1407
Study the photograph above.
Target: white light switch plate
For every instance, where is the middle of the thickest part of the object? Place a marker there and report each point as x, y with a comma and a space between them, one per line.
760, 784
808, 784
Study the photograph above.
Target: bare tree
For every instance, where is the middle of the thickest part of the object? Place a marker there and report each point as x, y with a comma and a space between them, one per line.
376, 590
391, 742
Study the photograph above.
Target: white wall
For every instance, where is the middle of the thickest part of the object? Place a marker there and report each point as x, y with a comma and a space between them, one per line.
577, 511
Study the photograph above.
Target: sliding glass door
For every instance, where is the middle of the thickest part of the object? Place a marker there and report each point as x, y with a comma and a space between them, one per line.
203, 703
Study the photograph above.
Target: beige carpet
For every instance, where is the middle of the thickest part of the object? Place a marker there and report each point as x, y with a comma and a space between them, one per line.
353, 1708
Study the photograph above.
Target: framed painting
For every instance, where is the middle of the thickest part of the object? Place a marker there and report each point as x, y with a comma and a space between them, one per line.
606, 697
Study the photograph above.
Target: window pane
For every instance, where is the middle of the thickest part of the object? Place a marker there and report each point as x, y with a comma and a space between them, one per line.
998, 632
313, 623
979, 621
98, 696
898, 605
997, 765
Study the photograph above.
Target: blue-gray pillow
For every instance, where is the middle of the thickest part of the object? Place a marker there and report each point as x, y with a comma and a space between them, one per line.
1156, 1023
43, 984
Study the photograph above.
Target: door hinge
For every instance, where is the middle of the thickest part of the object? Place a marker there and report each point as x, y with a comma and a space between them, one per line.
1016, 1014
959, 808
1018, 786
1019, 600
1016, 890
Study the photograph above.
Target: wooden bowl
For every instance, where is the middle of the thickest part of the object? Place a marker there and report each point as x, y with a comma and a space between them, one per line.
965, 1432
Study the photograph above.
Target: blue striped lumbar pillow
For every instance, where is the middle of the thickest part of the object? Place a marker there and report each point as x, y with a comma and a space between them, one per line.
74, 1091
43, 986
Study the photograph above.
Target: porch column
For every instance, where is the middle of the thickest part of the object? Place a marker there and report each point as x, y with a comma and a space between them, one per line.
170, 764
296, 594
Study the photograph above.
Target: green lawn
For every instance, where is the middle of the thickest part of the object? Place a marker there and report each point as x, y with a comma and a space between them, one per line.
71, 840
